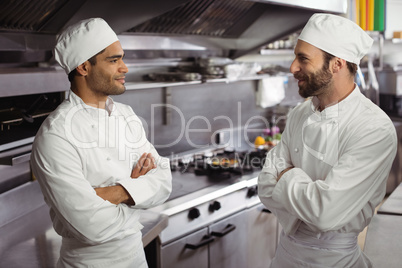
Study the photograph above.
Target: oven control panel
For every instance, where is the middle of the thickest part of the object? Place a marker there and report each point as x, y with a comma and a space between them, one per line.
203, 214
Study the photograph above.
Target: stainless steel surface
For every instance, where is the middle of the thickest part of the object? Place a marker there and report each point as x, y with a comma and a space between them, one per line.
395, 175
27, 235
223, 215
171, 254
22, 81
208, 17
153, 224
393, 204
262, 236
19, 202
390, 81
180, 225
30, 241
222, 28
20, 159
230, 246
339, 6
384, 241
229, 233
14, 174
17, 143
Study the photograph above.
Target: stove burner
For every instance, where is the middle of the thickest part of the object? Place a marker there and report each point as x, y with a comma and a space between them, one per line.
224, 163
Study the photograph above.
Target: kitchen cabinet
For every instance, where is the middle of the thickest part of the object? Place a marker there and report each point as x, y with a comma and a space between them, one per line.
229, 249
189, 251
221, 245
245, 239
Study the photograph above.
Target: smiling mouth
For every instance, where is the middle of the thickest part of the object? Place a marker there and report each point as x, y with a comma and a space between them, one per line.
121, 80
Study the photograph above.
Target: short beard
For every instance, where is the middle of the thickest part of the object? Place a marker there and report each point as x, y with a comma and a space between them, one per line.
315, 83
103, 87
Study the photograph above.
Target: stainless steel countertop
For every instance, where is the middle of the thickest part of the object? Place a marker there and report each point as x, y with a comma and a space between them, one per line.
393, 204
384, 241
30, 241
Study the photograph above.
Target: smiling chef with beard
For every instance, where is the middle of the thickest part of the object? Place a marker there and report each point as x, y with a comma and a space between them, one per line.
325, 178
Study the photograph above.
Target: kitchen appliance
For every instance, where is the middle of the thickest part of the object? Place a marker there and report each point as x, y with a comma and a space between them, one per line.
157, 29
20, 119
215, 215
390, 85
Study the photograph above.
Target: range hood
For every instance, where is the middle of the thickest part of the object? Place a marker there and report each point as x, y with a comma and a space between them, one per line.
157, 28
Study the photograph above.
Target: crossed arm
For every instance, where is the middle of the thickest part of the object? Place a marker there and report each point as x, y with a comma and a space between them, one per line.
118, 194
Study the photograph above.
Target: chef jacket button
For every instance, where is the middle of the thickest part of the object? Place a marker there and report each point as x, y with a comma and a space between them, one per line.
93, 126
321, 158
296, 150
108, 159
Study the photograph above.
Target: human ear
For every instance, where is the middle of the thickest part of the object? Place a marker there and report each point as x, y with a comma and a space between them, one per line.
338, 64
82, 69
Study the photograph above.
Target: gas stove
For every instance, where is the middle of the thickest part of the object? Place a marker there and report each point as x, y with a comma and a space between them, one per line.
194, 171
213, 205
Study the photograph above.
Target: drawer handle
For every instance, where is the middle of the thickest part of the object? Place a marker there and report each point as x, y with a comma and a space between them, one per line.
15, 159
20, 159
229, 228
205, 241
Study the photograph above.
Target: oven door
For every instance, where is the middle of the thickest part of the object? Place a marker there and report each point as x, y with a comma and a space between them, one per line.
229, 249
189, 251
262, 236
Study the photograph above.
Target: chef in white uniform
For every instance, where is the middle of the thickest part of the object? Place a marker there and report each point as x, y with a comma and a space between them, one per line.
94, 164
329, 172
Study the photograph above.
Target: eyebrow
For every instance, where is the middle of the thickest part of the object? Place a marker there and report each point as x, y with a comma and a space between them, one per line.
301, 54
115, 57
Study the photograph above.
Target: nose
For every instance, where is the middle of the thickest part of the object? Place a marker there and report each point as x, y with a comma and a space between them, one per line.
123, 68
294, 67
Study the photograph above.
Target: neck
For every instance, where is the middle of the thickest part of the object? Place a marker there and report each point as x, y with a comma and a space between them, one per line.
335, 95
90, 97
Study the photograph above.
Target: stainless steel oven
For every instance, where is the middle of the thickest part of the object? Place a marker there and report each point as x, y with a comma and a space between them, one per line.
20, 118
220, 224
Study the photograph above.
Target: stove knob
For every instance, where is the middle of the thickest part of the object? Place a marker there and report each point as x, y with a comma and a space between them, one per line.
214, 206
194, 213
252, 192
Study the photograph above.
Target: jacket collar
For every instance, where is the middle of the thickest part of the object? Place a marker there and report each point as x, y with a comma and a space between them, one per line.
334, 111
93, 111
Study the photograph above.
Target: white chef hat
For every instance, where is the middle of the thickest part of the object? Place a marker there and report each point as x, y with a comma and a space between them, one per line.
338, 36
79, 42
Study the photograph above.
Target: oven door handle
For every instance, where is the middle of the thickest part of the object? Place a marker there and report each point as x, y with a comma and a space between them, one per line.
205, 241
15, 159
229, 228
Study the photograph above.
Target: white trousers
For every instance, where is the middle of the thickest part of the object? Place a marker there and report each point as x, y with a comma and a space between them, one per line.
319, 250
125, 253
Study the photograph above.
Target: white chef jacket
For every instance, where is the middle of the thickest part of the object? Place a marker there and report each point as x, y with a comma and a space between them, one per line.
79, 148
341, 157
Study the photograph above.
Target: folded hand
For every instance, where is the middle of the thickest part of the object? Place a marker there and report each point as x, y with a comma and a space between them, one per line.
144, 164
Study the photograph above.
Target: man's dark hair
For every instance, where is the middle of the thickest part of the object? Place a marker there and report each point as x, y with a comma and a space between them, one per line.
92, 61
351, 66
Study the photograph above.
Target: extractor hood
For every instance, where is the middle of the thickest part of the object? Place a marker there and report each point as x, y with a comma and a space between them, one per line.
157, 28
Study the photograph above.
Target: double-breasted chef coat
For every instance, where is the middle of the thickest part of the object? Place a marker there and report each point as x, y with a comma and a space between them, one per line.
79, 148
341, 157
